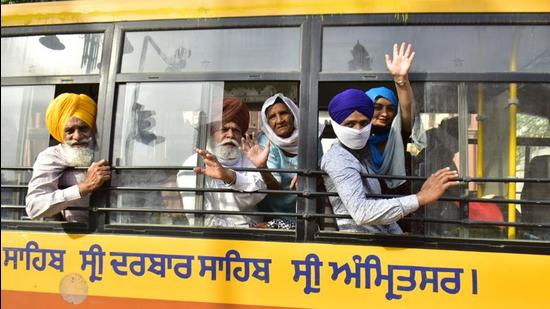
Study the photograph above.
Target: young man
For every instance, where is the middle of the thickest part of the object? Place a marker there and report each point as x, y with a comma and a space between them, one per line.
351, 112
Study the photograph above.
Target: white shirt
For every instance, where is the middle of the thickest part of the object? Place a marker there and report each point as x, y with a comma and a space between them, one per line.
244, 182
54, 187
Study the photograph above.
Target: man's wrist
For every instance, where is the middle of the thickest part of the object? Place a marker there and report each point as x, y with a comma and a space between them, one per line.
420, 199
230, 177
84, 189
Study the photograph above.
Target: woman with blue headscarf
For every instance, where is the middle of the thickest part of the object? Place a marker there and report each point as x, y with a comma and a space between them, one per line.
391, 118
351, 112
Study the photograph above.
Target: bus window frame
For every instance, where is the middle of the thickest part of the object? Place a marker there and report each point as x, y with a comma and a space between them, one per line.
459, 78
117, 78
309, 78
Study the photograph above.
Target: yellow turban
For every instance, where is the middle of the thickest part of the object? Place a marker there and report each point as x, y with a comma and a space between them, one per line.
65, 106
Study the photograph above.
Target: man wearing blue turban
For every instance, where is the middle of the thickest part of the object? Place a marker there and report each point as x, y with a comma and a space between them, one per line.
345, 163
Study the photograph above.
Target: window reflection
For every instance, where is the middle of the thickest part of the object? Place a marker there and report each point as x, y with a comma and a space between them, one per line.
533, 146
24, 135
485, 155
469, 49
52, 54
24, 132
266, 49
158, 125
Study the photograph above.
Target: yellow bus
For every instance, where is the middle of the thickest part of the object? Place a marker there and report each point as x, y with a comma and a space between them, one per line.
481, 80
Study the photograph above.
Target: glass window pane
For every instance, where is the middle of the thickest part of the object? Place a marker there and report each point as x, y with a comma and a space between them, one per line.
24, 132
24, 135
437, 104
156, 127
477, 49
266, 49
486, 155
490, 115
52, 54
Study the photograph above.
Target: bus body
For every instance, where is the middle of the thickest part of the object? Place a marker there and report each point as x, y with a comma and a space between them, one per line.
158, 71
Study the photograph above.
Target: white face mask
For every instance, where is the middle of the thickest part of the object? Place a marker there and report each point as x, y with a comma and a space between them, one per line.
352, 138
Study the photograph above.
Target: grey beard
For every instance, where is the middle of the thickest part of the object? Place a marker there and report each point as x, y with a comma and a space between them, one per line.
225, 151
78, 156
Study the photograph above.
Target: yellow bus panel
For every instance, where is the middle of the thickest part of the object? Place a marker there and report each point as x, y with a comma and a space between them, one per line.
54, 269
91, 11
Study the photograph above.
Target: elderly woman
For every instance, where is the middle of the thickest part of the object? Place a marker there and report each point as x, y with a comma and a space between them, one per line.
279, 124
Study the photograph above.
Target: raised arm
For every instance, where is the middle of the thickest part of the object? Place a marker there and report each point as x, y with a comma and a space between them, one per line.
399, 66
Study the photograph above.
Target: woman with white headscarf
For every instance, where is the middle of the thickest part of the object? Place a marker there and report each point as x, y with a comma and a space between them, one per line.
279, 124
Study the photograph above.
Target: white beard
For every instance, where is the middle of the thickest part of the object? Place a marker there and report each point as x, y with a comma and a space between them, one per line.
226, 151
78, 156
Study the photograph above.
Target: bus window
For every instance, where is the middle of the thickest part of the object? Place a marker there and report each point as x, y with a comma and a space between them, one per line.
437, 105
213, 50
489, 129
24, 135
327, 91
255, 95
451, 49
159, 124
42, 55
475, 149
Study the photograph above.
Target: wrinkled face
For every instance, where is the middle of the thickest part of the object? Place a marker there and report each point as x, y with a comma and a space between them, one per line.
229, 131
225, 141
356, 120
78, 134
280, 119
78, 145
384, 112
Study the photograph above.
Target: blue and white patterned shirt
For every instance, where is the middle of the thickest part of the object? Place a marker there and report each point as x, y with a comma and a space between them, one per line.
368, 215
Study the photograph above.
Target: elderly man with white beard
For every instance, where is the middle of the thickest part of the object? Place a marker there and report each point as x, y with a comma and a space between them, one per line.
223, 154
55, 185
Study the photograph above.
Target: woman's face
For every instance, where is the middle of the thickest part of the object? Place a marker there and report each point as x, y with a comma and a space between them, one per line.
384, 112
280, 119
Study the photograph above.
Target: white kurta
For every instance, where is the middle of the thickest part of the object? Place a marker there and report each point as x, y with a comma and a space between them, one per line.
54, 187
245, 182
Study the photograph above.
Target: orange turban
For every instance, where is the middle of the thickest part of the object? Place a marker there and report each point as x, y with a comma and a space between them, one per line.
65, 106
234, 110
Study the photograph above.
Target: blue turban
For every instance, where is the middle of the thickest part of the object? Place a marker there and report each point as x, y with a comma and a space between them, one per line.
383, 92
348, 101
